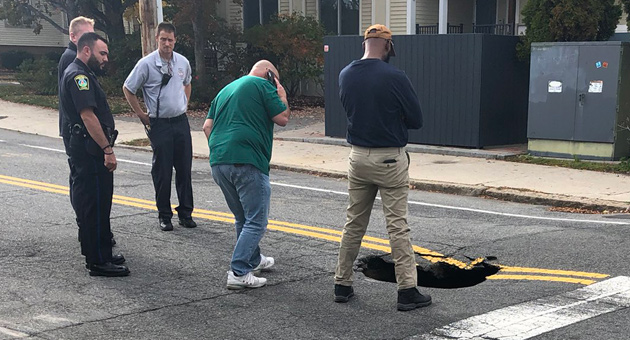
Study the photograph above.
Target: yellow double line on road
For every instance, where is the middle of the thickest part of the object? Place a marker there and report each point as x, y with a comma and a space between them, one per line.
506, 273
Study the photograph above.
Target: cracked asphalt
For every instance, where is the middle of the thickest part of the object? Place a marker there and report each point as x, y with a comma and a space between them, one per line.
176, 289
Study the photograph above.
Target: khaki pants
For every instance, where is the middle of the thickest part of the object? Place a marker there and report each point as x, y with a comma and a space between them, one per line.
371, 170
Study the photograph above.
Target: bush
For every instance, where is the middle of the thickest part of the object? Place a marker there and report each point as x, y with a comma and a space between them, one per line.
39, 76
294, 44
568, 20
13, 59
123, 56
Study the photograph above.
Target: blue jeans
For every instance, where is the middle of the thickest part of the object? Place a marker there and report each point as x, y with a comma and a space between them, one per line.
247, 192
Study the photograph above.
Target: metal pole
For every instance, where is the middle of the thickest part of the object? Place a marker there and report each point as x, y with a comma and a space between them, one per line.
160, 13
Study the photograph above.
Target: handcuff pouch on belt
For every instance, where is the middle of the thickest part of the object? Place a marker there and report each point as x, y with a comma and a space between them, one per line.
90, 145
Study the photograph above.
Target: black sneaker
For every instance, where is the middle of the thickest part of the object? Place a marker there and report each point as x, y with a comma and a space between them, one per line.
165, 224
410, 299
343, 293
187, 222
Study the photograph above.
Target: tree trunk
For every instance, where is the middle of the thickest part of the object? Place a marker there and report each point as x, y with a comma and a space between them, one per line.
148, 20
200, 41
114, 11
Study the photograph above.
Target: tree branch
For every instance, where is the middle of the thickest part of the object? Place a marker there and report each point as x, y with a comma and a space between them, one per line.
41, 15
128, 3
98, 15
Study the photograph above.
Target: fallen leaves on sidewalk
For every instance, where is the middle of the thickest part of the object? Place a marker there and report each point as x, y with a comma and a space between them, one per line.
587, 211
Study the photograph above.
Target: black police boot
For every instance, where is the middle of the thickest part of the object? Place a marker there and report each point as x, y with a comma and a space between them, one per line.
410, 299
343, 293
107, 269
116, 259
187, 222
165, 224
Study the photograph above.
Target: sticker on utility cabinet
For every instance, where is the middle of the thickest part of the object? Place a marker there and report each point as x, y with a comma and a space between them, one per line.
555, 86
596, 86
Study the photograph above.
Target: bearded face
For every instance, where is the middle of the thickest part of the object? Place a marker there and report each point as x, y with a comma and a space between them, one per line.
98, 67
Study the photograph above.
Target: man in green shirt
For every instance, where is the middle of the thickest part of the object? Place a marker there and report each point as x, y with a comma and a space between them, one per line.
239, 128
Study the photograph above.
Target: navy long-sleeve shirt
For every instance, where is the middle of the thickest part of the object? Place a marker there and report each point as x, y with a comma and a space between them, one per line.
66, 59
380, 102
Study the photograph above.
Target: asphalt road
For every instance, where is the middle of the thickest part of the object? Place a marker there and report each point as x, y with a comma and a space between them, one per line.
565, 275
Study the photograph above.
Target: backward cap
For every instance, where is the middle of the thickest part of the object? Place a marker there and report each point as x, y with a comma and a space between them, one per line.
378, 31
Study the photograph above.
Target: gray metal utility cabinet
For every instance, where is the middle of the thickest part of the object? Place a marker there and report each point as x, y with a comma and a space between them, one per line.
579, 100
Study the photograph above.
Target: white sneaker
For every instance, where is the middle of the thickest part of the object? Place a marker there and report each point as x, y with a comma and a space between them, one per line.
245, 281
265, 264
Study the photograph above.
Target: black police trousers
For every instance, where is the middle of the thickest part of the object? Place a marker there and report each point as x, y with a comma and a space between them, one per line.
92, 191
172, 147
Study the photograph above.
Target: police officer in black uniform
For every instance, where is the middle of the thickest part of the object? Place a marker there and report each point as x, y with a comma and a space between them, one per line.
92, 136
78, 26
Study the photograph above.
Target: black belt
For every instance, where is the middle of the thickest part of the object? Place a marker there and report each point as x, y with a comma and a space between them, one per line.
172, 119
81, 131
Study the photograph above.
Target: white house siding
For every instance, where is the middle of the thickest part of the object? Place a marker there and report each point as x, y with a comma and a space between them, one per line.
461, 12
311, 8
234, 14
21, 36
427, 12
398, 16
366, 14
283, 7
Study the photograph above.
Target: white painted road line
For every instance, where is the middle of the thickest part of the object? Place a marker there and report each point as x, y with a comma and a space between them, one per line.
441, 206
529, 319
12, 333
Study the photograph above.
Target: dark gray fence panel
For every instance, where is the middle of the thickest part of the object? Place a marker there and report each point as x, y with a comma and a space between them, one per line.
505, 96
341, 51
462, 81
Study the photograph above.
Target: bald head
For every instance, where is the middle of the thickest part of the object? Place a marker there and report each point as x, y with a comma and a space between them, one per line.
261, 67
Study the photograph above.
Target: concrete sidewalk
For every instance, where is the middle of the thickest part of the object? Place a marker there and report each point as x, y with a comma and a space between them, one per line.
451, 170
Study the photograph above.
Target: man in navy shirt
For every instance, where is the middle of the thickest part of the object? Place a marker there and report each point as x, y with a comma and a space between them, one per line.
90, 147
381, 106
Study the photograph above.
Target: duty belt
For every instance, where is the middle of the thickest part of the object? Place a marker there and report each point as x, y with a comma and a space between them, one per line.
80, 130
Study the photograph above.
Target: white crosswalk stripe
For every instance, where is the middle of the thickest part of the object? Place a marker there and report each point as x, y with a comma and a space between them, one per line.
529, 319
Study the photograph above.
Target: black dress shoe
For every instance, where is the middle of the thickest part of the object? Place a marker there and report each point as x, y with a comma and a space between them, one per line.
113, 242
187, 222
165, 224
107, 269
116, 259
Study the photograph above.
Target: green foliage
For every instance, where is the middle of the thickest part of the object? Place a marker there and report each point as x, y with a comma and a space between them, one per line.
568, 20
39, 75
123, 56
13, 59
225, 56
294, 44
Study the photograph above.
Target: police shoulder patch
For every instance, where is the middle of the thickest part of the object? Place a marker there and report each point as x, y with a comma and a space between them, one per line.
83, 83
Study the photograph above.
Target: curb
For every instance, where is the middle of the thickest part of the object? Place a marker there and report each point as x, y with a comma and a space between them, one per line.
415, 148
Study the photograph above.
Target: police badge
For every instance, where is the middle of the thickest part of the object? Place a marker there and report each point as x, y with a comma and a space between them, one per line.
83, 83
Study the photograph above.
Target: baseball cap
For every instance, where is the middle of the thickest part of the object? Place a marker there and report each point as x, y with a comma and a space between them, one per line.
380, 31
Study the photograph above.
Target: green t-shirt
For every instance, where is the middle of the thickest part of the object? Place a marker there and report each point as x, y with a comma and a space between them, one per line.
242, 130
